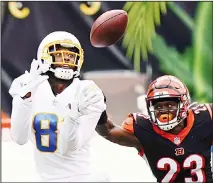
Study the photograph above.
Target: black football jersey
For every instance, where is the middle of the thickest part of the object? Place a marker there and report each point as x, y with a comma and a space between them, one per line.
185, 157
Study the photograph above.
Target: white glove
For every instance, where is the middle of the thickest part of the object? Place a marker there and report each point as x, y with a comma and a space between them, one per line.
92, 100
29, 81
89, 100
38, 68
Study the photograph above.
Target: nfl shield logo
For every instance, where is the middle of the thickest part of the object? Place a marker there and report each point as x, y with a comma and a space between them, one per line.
177, 140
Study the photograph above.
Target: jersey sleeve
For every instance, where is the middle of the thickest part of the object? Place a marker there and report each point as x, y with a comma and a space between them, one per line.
77, 132
204, 112
210, 110
20, 120
128, 123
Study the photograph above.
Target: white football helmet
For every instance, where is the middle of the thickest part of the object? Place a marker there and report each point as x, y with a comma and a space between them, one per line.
48, 46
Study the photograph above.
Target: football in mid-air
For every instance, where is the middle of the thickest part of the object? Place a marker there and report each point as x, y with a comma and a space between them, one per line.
108, 28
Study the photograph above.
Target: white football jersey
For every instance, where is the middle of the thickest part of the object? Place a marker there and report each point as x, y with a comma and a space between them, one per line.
46, 122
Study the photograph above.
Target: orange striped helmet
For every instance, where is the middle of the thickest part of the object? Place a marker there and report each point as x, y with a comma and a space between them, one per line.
168, 87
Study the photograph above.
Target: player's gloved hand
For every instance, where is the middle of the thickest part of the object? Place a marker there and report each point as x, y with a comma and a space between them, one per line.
26, 84
89, 100
37, 68
92, 100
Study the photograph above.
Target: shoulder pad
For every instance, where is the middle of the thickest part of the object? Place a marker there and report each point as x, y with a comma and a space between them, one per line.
141, 116
128, 123
210, 109
133, 118
205, 109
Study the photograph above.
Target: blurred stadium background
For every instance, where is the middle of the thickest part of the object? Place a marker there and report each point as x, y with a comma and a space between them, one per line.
182, 46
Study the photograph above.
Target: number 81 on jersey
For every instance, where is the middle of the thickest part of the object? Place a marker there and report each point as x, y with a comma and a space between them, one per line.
45, 127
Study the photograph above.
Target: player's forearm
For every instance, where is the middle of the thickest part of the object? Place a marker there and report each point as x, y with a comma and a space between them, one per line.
87, 128
68, 134
20, 120
107, 129
114, 135
76, 133
117, 135
124, 138
79, 124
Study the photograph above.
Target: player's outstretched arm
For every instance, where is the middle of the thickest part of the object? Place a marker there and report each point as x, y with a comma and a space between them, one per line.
21, 109
79, 125
120, 135
22, 90
20, 120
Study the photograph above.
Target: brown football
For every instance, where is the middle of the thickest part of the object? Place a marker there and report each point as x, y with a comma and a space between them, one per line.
108, 28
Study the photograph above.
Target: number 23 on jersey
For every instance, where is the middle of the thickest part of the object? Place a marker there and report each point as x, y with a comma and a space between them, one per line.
195, 163
45, 128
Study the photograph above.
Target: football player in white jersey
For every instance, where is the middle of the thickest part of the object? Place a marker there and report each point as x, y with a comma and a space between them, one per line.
57, 111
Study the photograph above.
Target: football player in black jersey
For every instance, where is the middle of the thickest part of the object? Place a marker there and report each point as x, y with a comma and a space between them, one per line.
175, 137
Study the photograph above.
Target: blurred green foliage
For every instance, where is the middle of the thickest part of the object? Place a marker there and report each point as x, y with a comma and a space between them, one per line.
194, 66
143, 16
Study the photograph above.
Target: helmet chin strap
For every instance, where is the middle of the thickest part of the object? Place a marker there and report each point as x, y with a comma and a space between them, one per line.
65, 74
